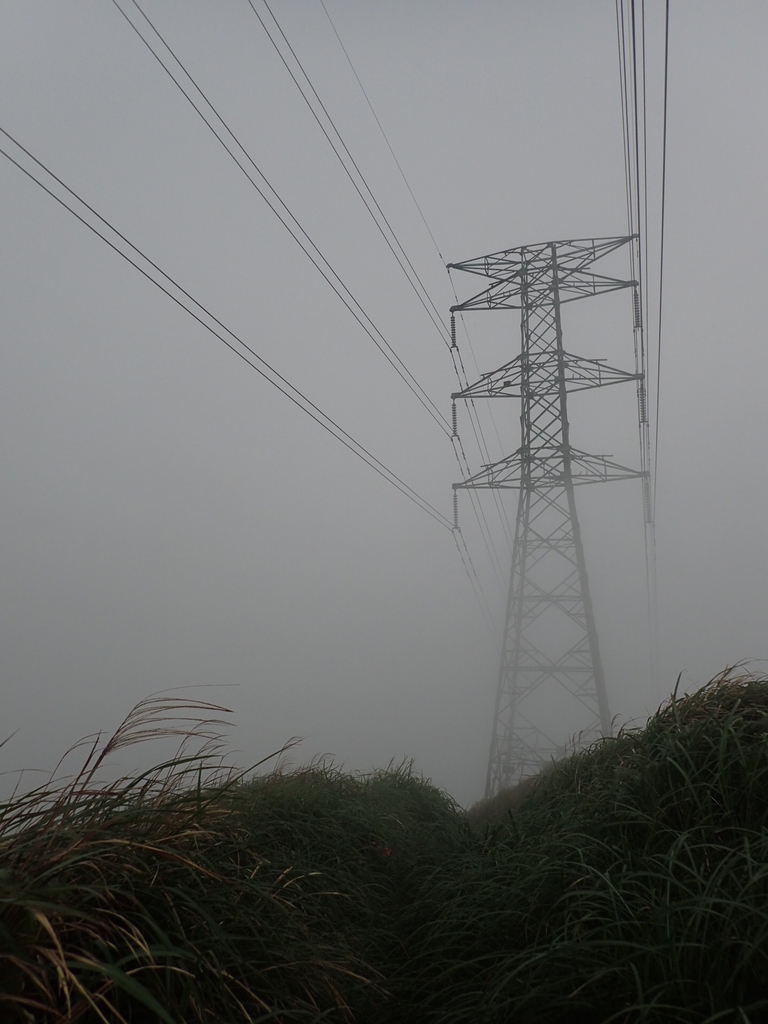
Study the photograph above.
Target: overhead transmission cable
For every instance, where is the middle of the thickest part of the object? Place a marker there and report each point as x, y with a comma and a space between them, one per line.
341, 286
458, 368
636, 125
477, 427
289, 221
474, 580
420, 291
661, 249
374, 208
643, 249
384, 134
416, 204
626, 132
199, 312
633, 79
647, 318
436, 319
479, 512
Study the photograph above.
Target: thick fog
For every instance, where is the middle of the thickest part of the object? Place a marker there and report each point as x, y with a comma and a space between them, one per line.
169, 519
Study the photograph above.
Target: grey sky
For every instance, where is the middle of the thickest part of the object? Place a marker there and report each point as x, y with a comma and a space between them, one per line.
169, 519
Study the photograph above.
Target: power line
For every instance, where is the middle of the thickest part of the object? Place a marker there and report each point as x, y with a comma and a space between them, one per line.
661, 250
621, 41
429, 231
474, 417
636, 184
647, 318
636, 122
279, 382
474, 583
478, 510
473, 414
426, 401
412, 383
480, 516
265, 370
384, 134
482, 444
329, 274
436, 322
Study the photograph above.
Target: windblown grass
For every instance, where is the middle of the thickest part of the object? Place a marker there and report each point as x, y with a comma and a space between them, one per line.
630, 884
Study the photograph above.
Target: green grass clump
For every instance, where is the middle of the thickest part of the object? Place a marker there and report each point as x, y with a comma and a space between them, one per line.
187, 894
630, 883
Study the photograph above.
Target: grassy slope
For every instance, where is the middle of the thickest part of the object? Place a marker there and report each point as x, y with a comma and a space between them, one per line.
630, 884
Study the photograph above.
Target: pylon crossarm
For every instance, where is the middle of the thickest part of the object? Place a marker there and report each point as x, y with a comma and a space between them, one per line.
523, 278
515, 293
600, 469
545, 469
582, 284
570, 253
539, 374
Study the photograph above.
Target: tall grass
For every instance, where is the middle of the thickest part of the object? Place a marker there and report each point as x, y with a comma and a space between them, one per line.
194, 893
629, 884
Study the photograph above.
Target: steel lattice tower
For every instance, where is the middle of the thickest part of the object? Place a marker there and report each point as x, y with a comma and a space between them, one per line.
550, 672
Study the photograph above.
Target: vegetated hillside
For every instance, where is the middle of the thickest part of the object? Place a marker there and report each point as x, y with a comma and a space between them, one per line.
629, 884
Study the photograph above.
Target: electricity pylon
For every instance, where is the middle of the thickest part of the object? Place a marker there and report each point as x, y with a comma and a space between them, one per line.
551, 673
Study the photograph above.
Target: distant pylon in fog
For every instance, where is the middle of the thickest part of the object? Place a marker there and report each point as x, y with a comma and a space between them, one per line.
551, 677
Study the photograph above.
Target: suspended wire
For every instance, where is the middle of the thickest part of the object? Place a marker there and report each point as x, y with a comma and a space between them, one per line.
465, 382
482, 444
384, 134
634, 110
477, 367
326, 270
443, 422
264, 369
661, 253
433, 410
479, 512
621, 40
650, 513
477, 507
642, 255
475, 422
466, 473
636, 121
474, 580
646, 319
436, 322
476, 426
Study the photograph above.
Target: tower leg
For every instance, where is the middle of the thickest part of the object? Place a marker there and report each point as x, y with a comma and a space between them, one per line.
550, 671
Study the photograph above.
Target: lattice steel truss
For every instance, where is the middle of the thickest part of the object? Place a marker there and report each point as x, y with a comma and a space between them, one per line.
550, 670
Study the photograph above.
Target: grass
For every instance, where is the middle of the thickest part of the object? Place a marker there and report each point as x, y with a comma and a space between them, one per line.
630, 883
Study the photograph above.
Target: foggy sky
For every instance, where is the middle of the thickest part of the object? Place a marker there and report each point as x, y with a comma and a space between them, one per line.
168, 519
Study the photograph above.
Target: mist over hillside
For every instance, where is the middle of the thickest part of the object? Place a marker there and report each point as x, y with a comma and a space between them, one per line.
169, 519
